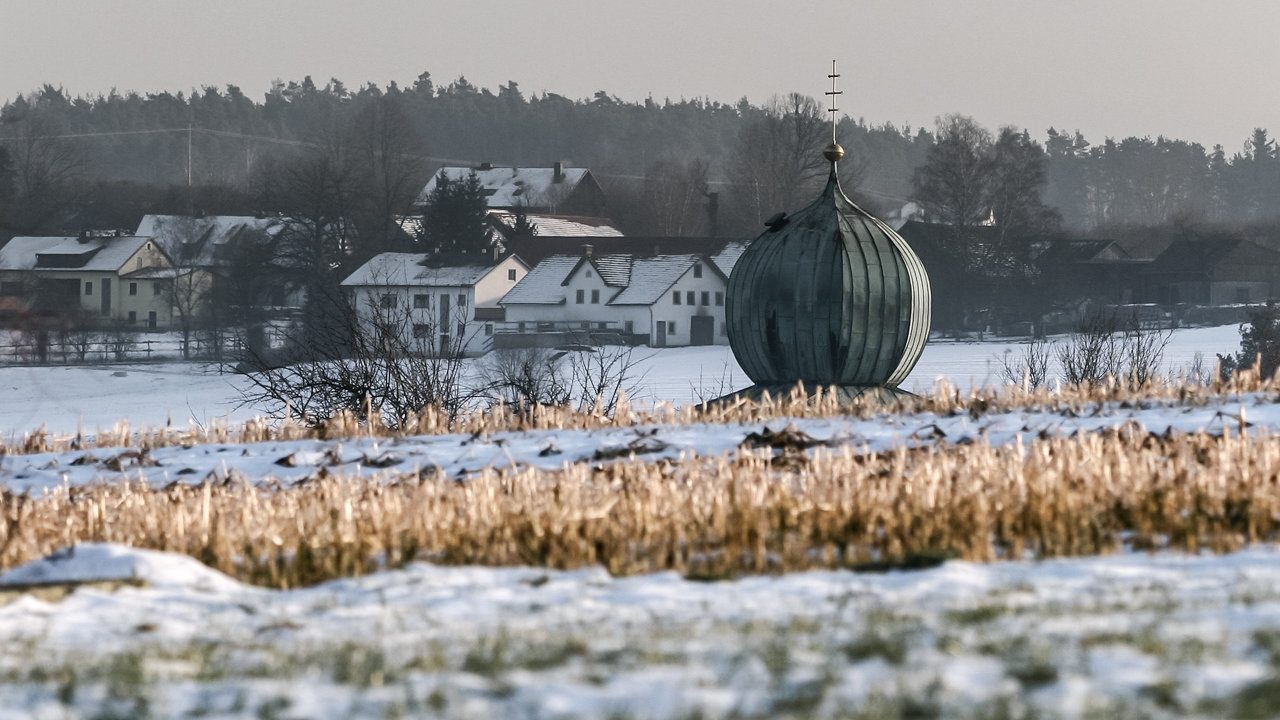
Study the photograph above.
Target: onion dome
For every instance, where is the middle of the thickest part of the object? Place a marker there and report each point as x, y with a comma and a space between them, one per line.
828, 296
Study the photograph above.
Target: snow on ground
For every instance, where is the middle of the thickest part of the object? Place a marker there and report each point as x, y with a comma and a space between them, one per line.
66, 399
1128, 635
458, 455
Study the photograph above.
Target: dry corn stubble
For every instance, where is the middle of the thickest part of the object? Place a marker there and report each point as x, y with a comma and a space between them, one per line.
751, 512
943, 399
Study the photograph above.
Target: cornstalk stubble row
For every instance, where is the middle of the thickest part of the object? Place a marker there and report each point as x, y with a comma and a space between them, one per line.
752, 512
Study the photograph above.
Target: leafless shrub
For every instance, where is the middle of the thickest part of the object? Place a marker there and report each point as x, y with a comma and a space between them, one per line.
708, 389
1030, 369
599, 376
78, 336
525, 377
367, 358
1102, 346
120, 339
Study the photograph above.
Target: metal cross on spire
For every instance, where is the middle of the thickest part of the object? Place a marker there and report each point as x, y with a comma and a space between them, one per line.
832, 94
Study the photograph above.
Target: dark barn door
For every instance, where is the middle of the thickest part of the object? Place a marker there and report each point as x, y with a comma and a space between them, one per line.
661, 340
702, 330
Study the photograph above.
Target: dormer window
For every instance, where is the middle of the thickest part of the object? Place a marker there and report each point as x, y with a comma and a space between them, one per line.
697, 270
588, 272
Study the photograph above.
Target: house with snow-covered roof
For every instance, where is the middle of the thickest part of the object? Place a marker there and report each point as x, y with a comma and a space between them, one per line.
658, 300
555, 190
440, 305
107, 276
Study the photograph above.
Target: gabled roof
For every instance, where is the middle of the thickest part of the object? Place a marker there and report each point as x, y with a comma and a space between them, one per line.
728, 257
615, 270
196, 240
556, 225
1092, 252
651, 277
393, 269
508, 187
94, 254
647, 279
534, 249
1198, 256
544, 283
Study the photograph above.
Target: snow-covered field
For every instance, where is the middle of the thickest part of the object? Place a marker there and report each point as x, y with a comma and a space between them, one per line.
1124, 636
67, 399
149, 634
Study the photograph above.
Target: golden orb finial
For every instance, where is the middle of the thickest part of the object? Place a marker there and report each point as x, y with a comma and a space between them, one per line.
833, 152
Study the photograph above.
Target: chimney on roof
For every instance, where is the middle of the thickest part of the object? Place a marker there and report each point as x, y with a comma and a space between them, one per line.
587, 250
558, 172
486, 166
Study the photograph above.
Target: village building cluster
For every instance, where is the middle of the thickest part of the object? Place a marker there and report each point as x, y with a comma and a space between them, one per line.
559, 271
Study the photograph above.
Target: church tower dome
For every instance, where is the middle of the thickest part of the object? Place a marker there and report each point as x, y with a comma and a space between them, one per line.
828, 296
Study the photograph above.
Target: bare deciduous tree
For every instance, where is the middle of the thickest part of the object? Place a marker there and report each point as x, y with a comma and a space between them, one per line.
675, 197
778, 158
375, 356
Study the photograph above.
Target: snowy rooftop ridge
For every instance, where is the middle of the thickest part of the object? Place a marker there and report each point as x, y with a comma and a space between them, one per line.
643, 280
544, 285
394, 269
96, 254
511, 186
561, 225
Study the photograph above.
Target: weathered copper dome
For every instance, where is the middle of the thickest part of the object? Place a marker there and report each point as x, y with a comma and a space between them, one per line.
828, 296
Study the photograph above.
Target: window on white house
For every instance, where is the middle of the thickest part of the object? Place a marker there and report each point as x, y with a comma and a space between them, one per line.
588, 272
133, 288
387, 301
595, 297
157, 288
462, 299
675, 298
133, 318
511, 275
602, 326
421, 301
488, 328
88, 288
630, 326
581, 296
586, 326
697, 271
520, 326
671, 327
706, 298
688, 298
421, 331
462, 329
719, 299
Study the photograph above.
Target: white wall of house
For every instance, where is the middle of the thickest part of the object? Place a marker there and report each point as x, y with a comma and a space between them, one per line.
493, 286
706, 292
586, 297
93, 284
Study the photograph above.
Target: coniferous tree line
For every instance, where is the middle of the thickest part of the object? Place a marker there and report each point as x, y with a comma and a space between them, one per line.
658, 160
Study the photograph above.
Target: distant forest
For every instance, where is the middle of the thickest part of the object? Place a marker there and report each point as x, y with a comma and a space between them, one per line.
759, 157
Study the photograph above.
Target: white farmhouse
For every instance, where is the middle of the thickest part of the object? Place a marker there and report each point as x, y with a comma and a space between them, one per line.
110, 277
446, 306
660, 300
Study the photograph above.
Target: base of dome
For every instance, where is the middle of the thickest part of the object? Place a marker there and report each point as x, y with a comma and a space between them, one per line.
845, 394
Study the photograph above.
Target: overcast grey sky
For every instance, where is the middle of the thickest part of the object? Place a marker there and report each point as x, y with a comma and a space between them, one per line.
1193, 69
